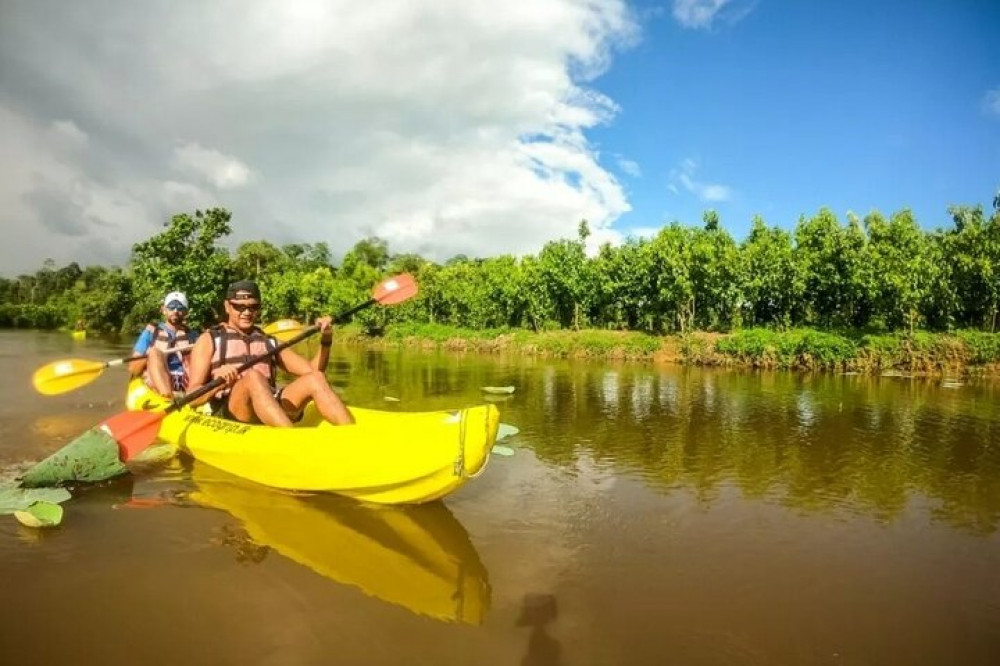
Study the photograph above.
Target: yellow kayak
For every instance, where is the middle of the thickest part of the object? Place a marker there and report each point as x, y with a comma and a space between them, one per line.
417, 557
385, 457
79, 335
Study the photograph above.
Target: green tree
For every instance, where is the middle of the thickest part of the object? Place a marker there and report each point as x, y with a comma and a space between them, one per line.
108, 301
672, 301
372, 252
186, 257
715, 277
624, 283
903, 267
972, 248
773, 283
830, 260
711, 220
257, 259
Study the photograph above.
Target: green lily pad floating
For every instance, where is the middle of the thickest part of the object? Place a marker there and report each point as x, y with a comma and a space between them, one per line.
41, 514
505, 390
501, 450
506, 430
15, 498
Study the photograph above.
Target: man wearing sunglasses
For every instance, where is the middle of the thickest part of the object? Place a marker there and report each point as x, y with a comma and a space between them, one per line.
165, 370
253, 396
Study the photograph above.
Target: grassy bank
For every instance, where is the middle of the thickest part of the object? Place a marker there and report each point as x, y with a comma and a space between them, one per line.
800, 349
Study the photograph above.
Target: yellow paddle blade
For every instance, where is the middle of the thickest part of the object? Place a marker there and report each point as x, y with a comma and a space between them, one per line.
64, 376
283, 329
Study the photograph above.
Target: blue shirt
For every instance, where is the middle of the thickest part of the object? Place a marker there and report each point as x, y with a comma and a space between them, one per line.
175, 366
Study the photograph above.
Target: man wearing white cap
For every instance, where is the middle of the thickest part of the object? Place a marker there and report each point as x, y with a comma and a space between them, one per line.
166, 368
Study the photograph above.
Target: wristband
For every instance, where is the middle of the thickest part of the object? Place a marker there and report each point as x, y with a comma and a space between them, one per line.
326, 343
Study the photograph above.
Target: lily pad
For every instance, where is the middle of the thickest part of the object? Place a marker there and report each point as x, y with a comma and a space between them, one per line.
41, 514
93, 456
501, 450
506, 430
15, 498
499, 389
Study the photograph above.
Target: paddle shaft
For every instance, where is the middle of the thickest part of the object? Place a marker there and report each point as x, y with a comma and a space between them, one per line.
173, 350
129, 359
254, 360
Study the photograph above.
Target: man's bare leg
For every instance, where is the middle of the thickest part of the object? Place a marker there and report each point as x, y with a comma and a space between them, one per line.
251, 401
314, 387
156, 365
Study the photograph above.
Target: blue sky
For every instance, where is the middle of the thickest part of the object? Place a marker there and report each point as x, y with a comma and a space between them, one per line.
482, 128
790, 106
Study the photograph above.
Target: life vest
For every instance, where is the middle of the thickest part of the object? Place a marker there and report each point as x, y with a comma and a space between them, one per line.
231, 347
177, 364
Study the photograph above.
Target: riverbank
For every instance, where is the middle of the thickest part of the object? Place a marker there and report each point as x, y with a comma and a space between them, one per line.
920, 353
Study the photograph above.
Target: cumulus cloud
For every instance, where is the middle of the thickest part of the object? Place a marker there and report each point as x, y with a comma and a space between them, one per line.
457, 126
682, 178
991, 102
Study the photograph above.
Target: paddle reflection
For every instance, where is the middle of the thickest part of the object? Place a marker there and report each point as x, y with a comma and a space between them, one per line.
418, 557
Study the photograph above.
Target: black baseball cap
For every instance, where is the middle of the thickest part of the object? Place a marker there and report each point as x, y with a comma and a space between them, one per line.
243, 289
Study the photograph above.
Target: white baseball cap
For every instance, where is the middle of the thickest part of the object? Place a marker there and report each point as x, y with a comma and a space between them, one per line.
176, 296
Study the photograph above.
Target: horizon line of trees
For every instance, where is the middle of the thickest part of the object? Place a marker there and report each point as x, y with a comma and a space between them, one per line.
874, 273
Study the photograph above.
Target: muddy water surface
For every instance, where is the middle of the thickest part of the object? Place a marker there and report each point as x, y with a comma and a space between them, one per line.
649, 515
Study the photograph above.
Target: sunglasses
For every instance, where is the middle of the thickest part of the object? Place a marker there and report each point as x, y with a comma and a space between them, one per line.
176, 308
246, 307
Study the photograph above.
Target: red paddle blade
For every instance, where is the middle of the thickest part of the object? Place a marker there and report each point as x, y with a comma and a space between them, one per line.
395, 289
133, 431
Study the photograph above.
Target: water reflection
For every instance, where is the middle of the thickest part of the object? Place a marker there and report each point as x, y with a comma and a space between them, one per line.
822, 442
420, 557
814, 442
537, 611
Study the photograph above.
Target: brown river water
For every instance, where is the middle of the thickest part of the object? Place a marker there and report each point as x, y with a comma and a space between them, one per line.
649, 515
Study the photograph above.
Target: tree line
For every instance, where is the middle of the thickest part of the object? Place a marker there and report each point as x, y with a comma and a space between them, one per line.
875, 273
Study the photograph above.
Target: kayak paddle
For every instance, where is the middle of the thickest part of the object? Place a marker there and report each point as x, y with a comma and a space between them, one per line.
67, 375
134, 431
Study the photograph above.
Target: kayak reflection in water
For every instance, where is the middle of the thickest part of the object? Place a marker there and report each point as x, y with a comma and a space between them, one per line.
253, 396
417, 557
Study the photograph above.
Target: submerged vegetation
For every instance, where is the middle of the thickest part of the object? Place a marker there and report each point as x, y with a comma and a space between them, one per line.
873, 294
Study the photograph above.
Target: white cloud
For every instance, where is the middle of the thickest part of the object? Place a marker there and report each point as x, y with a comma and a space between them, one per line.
629, 167
223, 171
697, 13
704, 14
682, 177
457, 126
991, 102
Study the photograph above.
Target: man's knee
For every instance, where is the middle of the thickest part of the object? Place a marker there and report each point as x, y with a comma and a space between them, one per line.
253, 385
317, 382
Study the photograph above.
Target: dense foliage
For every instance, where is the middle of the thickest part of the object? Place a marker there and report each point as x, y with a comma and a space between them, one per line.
874, 275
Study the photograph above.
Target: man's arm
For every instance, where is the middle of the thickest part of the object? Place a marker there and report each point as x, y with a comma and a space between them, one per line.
322, 357
199, 373
293, 363
297, 365
142, 345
